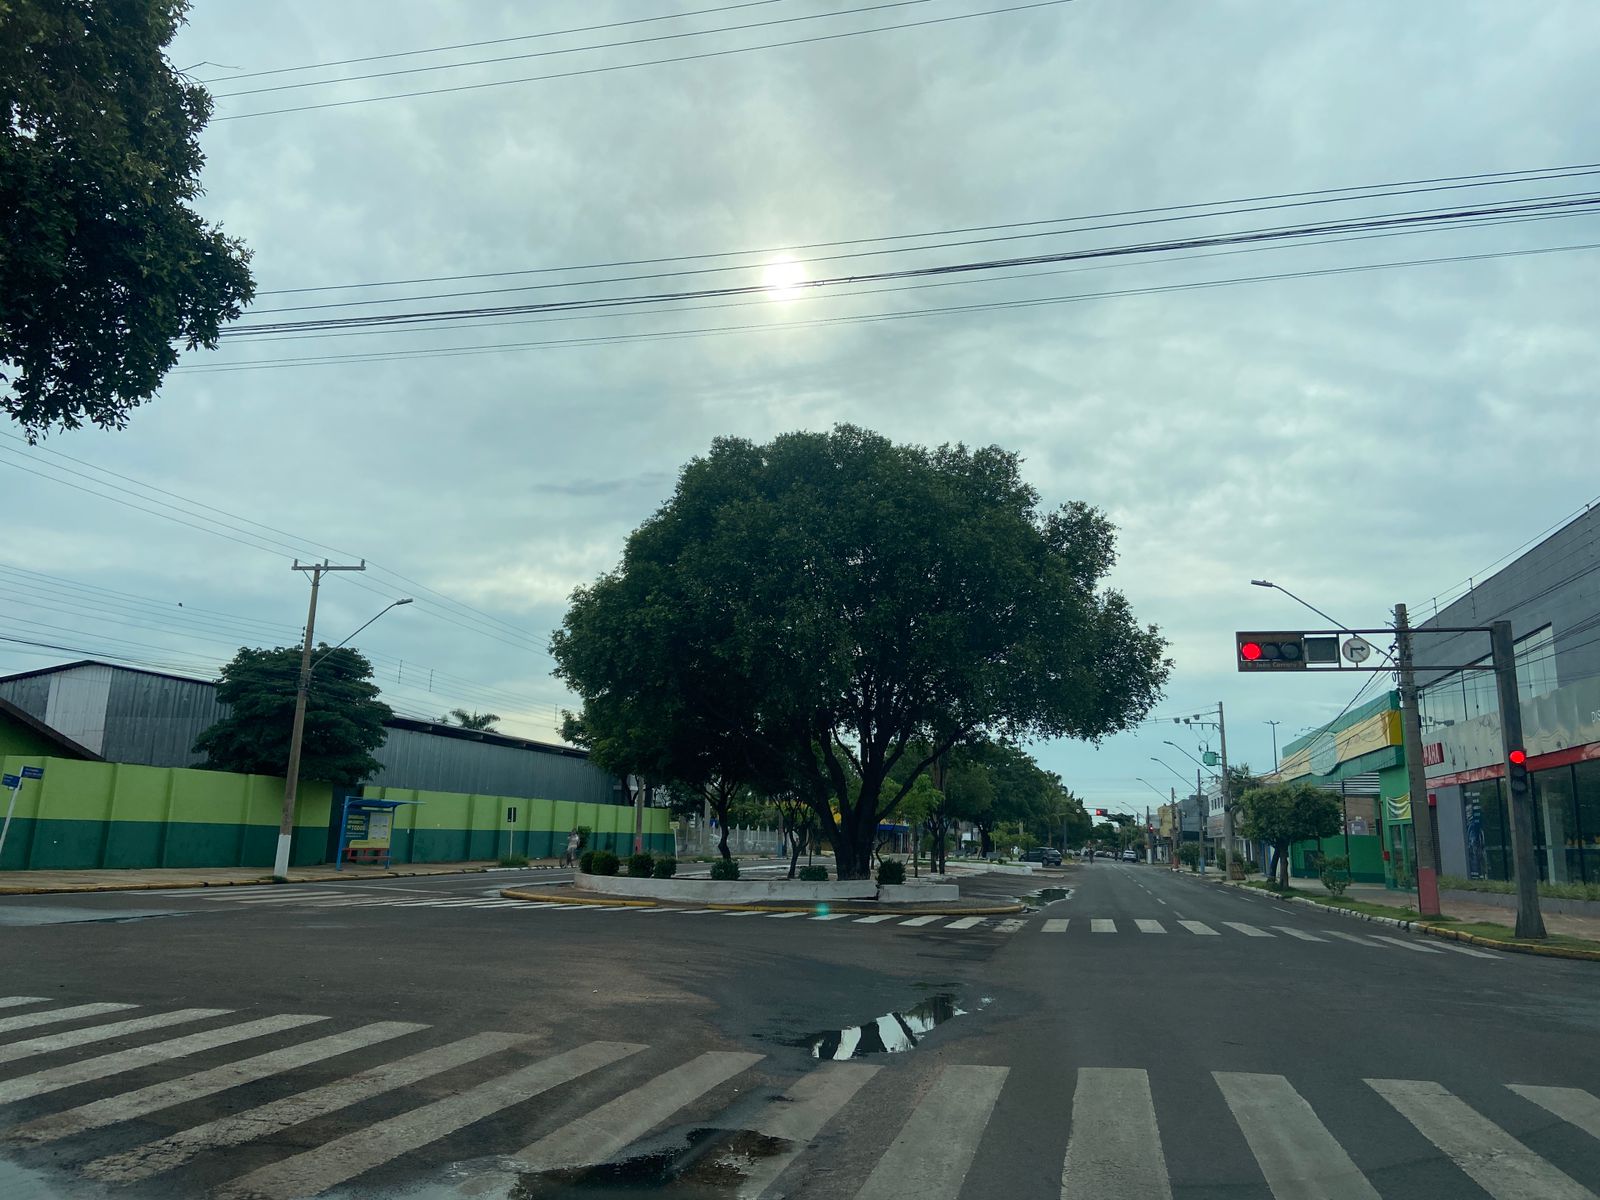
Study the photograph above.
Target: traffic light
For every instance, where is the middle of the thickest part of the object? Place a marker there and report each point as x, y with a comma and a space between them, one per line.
1517, 772
1100, 812
1271, 651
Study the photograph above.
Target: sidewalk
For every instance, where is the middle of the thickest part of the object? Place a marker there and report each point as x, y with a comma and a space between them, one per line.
1464, 911
26, 883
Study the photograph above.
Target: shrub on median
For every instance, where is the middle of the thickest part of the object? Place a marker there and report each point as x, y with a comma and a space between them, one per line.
665, 868
641, 865
814, 874
586, 862
725, 868
606, 863
891, 871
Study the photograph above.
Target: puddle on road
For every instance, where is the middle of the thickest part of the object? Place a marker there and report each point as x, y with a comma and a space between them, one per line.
1045, 896
892, 1033
702, 1164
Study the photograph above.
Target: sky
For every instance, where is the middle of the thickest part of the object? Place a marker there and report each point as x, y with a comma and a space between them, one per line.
1361, 437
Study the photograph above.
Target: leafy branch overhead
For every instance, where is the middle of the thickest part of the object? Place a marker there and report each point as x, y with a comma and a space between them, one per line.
832, 612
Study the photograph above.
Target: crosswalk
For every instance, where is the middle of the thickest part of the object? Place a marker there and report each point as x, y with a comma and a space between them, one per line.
217, 1131
1142, 925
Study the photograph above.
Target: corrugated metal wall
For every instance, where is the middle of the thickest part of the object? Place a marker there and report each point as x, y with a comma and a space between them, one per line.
31, 695
154, 721
413, 759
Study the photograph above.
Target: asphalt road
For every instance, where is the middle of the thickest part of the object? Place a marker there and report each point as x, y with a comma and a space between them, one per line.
1148, 1035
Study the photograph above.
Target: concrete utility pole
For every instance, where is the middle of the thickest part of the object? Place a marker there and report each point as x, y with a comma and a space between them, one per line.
1416, 777
291, 778
1205, 817
1227, 799
1530, 921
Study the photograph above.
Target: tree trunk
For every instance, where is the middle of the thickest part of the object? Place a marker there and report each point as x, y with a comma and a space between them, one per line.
985, 842
1283, 865
794, 836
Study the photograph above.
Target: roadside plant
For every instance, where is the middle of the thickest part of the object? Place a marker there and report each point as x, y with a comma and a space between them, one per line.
665, 867
814, 874
586, 862
1335, 874
891, 872
1189, 855
606, 863
514, 860
725, 868
640, 866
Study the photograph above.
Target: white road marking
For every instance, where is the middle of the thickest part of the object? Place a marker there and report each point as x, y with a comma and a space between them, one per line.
1148, 926
1010, 926
1573, 1105
798, 1116
1394, 941
783, 916
741, 914
137, 1103
875, 919
100, 1033
1349, 937
1159, 900
1468, 950
1114, 1150
1056, 925
51, 1016
332, 1163
141, 1162
18, 1001
830, 917
1496, 1161
1299, 1157
1297, 933
918, 921
1102, 925
930, 1156
965, 923
1247, 930
1199, 927
89, 1069
597, 1135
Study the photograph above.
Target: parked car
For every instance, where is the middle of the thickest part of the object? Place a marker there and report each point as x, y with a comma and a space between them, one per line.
1130, 856
1048, 856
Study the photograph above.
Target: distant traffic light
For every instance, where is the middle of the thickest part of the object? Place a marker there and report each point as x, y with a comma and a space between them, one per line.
1517, 772
1099, 812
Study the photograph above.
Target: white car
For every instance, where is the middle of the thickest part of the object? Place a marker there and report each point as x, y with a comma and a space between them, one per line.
1130, 856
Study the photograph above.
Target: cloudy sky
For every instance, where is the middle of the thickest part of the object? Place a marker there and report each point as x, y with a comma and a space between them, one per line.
1362, 438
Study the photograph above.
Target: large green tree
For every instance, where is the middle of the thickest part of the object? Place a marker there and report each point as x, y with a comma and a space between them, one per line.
817, 607
105, 269
1284, 813
344, 716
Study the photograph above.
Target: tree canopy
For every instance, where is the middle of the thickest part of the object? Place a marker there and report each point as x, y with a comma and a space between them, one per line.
1284, 813
105, 268
818, 608
485, 722
344, 717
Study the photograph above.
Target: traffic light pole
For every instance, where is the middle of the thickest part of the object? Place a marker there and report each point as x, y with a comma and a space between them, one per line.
1416, 777
1227, 793
1530, 921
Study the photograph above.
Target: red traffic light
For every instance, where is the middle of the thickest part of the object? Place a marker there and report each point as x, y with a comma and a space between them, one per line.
1099, 812
1518, 757
1250, 651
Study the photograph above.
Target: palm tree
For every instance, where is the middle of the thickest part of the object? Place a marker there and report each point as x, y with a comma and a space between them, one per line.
471, 720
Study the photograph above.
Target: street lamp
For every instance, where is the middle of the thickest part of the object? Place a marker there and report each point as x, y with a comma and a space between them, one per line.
291, 780
1165, 798
1171, 768
1197, 762
1267, 583
1274, 725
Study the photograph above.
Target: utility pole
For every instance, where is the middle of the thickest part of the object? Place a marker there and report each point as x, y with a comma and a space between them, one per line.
291, 779
1530, 921
1416, 777
1227, 800
638, 819
1205, 817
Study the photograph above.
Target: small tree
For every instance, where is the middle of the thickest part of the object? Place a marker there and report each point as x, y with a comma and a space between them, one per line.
471, 720
343, 724
1284, 813
1189, 855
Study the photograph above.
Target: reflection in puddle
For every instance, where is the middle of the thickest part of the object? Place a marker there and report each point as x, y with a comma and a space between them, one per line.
708, 1164
891, 1033
1045, 896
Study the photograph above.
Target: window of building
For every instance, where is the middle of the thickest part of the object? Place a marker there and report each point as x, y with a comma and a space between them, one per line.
1586, 788
1555, 819
1488, 838
1474, 693
1536, 663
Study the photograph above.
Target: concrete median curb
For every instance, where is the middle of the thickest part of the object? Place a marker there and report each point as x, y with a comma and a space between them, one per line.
1439, 931
8, 889
921, 910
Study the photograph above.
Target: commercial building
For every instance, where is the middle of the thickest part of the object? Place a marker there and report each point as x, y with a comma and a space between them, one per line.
149, 718
1551, 596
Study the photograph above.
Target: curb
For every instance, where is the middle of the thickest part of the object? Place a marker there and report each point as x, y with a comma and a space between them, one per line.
1441, 931
993, 910
258, 881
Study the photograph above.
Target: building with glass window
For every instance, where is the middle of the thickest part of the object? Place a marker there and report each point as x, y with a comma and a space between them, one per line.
1551, 596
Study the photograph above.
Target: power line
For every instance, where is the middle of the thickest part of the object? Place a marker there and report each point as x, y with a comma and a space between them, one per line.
525, 37
644, 41
672, 335
1333, 194
1451, 594
654, 62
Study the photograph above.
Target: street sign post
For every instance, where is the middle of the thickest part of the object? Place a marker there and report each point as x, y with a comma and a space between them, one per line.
14, 782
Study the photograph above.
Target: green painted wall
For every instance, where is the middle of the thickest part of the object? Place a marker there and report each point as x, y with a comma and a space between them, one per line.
92, 815
1366, 856
17, 739
456, 826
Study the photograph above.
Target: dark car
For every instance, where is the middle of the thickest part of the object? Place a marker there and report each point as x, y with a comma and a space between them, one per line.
1048, 856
